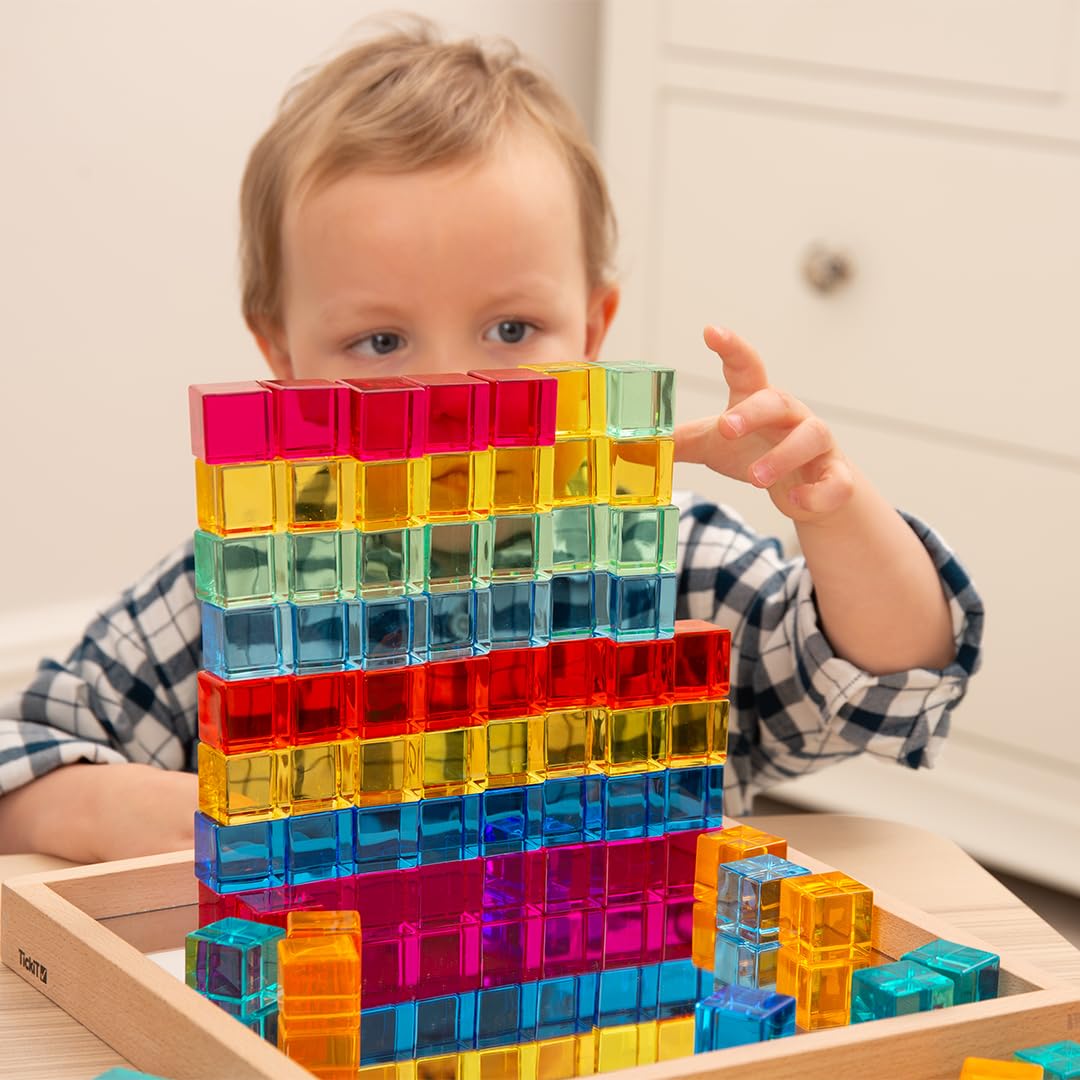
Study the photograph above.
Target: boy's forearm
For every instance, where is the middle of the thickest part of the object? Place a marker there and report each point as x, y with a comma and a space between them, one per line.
90, 813
879, 597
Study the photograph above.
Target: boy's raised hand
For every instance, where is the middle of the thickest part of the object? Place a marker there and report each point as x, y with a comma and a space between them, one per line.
767, 438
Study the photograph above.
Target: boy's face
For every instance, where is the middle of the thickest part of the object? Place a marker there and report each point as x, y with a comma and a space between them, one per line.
476, 264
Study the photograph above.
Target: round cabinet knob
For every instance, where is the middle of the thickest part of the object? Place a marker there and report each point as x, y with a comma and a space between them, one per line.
825, 269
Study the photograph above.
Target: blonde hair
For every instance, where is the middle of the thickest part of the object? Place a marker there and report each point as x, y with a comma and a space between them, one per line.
401, 102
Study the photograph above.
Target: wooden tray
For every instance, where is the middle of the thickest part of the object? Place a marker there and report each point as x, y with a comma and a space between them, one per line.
55, 933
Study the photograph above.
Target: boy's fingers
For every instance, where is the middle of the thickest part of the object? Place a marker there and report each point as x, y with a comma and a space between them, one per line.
695, 439
743, 369
831, 490
764, 408
809, 440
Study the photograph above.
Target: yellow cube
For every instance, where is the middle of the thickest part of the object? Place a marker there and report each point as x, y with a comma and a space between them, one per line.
319, 493
640, 472
320, 777
453, 762
387, 770
522, 478
826, 916
515, 751
697, 734
241, 788
247, 498
822, 991
390, 494
989, 1069
581, 470
581, 397
675, 1038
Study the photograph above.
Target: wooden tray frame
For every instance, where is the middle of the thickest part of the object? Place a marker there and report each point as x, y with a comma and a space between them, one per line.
50, 935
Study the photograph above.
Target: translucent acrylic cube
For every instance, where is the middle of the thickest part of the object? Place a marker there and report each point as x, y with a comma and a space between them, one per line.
640, 400
897, 989
974, 972
234, 961
737, 1015
748, 896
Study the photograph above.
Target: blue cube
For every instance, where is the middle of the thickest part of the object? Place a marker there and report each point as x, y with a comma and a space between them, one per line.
246, 643
737, 1015
1060, 1060
511, 819
449, 829
506, 1014
236, 858
974, 972
445, 1025
387, 1033
320, 847
748, 896
687, 798
738, 962
681, 986
634, 805
573, 605
640, 607
387, 633
897, 989
320, 636
234, 962
458, 624
387, 837
572, 810
626, 995
566, 1005
520, 614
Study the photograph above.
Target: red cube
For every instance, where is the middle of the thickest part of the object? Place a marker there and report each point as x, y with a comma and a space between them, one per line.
522, 406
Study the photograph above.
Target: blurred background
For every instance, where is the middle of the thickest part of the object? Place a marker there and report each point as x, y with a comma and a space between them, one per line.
881, 196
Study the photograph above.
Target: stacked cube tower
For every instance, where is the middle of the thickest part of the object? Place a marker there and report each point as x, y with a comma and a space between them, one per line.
444, 688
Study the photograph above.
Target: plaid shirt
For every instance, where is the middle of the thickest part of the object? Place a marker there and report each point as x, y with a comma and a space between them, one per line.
127, 692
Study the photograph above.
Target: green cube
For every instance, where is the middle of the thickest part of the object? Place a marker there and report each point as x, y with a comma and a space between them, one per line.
643, 539
238, 571
974, 972
640, 400
456, 555
389, 563
521, 547
579, 538
1060, 1060
321, 566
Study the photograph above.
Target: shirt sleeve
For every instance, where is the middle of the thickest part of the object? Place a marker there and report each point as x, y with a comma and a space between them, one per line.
127, 691
795, 705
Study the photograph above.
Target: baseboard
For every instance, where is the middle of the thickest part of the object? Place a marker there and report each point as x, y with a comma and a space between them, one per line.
1010, 814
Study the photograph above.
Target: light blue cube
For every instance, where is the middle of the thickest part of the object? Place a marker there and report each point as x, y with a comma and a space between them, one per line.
748, 896
974, 972
897, 989
737, 1015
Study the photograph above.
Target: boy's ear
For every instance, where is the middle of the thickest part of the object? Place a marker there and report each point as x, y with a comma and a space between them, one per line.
603, 303
272, 345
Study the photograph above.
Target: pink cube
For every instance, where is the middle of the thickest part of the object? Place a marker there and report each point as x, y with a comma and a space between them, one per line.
385, 418
230, 422
522, 406
457, 408
310, 417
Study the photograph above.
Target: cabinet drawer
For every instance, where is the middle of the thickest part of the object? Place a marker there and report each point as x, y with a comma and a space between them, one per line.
965, 259
1008, 44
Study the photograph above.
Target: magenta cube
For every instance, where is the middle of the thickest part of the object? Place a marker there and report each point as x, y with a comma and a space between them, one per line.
387, 900
575, 877
451, 892
386, 418
510, 952
389, 969
310, 417
633, 934
522, 406
678, 926
636, 870
230, 422
573, 943
457, 411
449, 959
514, 884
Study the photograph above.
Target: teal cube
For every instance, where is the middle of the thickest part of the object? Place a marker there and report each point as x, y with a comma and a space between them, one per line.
239, 571
737, 1015
748, 896
389, 563
579, 538
897, 989
640, 400
234, 963
1060, 1060
643, 539
320, 566
521, 547
974, 972
457, 555
738, 962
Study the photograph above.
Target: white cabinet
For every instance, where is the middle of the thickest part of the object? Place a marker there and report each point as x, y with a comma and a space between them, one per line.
933, 148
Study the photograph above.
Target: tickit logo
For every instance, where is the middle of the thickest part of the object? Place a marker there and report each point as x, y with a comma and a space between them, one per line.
37, 969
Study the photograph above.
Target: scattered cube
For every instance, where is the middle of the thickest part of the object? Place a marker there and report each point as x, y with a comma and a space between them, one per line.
1059, 1061
974, 972
234, 962
737, 1015
897, 989
989, 1069
748, 896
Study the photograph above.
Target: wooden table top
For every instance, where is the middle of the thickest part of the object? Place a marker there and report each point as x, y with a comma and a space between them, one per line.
41, 1042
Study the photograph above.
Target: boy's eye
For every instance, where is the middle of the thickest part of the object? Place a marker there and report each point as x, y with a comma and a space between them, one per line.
510, 331
381, 343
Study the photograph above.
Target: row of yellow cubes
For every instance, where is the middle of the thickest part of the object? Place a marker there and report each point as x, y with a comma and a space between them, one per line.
342, 493
598, 1051
270, 784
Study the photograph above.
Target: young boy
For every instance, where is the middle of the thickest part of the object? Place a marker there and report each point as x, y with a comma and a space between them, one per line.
420, 206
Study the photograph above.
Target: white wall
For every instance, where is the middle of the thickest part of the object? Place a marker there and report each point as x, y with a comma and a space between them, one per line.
124, 127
